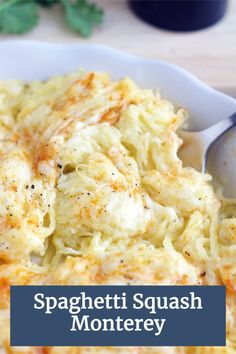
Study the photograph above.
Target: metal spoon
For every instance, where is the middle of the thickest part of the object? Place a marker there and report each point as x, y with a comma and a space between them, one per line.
213, 150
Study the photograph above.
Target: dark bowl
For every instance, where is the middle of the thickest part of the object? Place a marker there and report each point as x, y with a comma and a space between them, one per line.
180, 15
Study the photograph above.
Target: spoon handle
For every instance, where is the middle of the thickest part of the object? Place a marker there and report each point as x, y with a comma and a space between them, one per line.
210, 135
216, 130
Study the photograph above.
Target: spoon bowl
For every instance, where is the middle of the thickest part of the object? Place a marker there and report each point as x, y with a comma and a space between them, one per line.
221, 164
213, 150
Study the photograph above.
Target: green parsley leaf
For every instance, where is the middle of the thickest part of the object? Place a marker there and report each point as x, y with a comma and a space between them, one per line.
18, 16
82, 16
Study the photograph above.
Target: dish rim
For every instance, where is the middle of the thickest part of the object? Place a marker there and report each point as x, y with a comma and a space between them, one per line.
221, 105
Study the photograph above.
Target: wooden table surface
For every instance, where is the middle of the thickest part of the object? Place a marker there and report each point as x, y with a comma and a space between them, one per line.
209, 54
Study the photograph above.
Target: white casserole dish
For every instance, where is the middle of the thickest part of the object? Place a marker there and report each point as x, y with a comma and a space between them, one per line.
28, 60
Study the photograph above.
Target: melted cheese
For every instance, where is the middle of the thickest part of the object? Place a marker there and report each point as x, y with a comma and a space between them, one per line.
92, 187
